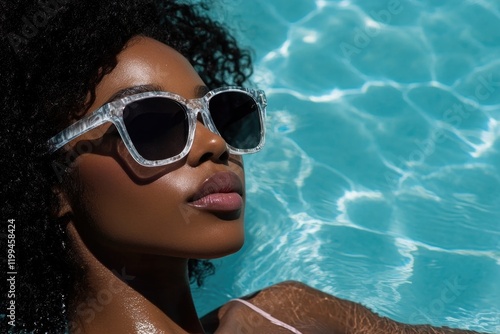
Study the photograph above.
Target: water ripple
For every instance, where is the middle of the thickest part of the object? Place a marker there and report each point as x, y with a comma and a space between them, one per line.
380, 179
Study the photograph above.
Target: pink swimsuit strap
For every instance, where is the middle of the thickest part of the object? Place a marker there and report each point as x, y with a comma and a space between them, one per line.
268, 316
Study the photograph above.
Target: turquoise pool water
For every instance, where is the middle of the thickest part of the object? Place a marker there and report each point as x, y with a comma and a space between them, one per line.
380, 178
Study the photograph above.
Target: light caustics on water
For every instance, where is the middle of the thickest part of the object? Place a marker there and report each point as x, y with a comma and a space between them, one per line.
380, 178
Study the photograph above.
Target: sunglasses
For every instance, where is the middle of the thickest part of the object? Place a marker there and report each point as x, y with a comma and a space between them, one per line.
158, 128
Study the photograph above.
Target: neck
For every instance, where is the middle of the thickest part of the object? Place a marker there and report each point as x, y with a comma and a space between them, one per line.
134, 294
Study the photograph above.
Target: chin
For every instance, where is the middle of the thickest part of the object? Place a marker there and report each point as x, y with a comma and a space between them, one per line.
220, 249
226, 252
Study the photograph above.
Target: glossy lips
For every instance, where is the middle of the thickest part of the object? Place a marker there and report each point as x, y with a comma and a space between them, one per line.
222, 192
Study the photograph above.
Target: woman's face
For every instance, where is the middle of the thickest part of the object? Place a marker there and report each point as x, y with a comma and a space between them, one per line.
129, 208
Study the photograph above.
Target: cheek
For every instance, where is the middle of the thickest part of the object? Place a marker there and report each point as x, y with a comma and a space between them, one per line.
123, 212
150, 218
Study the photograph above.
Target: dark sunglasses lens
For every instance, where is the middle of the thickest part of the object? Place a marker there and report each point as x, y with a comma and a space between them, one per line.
236, 116
157, 126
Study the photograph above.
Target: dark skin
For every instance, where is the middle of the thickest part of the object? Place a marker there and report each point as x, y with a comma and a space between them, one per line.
133, 229
311, 312
139, 219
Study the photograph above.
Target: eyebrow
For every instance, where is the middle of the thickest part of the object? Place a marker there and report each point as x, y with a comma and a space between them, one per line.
199, 91
133, 90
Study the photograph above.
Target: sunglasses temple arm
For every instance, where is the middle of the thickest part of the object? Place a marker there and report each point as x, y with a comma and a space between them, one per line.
262, 99
84, 125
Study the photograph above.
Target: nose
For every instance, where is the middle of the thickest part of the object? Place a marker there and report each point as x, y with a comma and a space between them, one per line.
207, 146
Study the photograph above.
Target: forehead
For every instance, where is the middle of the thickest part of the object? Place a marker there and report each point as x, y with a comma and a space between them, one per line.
145, 61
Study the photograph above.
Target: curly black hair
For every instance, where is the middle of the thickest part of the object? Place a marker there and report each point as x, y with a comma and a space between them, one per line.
53, 54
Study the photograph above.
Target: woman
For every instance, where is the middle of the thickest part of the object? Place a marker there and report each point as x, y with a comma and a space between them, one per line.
109, 207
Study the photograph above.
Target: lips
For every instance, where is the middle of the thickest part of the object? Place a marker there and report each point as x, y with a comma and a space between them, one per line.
222, 192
